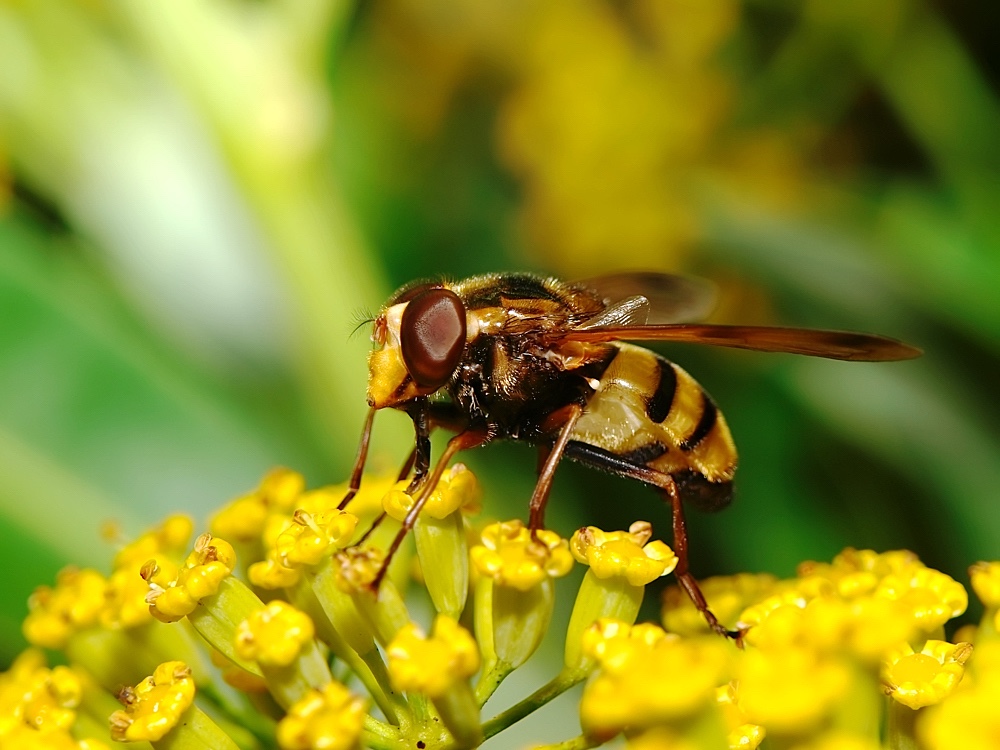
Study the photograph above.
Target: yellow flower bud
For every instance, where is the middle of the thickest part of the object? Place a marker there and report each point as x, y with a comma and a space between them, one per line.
512, 557
330, 718
986, 583
628, 554
211, 561
274, 635
75, 603
244, 518
456, 490
310, 537
918, 679
155, 706
432, 665
639, 680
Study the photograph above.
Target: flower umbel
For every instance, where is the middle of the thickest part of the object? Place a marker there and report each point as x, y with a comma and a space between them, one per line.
822, 649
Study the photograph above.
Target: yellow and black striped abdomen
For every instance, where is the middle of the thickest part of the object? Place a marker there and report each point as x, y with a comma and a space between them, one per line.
649, 412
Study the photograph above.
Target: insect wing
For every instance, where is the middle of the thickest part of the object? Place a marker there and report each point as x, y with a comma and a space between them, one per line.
670, 298
631, 311
845, 345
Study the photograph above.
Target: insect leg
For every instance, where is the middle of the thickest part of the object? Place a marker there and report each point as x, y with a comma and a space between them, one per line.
425, 418
403, 473
568, 416
615, 464
359, 461
422, 445
682, 572
470, 438
544, 450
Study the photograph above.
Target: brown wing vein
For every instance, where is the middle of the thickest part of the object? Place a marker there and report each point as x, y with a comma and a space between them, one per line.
845, 345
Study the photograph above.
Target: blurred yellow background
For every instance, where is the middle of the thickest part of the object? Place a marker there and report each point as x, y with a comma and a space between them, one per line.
198, 202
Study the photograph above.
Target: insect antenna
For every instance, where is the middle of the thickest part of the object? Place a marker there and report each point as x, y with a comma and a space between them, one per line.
363, 316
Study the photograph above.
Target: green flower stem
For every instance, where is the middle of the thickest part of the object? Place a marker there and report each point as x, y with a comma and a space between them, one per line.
170, 642
460, 713
368, 667
555, 687
123, 657
196, 731
291, 682
483, 618
251, 714
581, 742
861, 712
246, 737
490, 679
109, 657
384, 610
218, 616
378, 741
599, 597
361, 655
373, 667
900, 726
444, 558
510, 624
339, 608
96, 705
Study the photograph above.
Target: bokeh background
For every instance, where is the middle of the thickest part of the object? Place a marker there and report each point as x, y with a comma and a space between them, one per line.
199, 200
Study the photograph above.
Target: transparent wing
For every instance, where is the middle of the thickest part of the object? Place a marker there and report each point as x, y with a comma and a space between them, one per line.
669, 298
846, 345
631, 311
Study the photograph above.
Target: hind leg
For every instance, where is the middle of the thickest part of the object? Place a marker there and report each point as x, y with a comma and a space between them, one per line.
616, 464
682, 571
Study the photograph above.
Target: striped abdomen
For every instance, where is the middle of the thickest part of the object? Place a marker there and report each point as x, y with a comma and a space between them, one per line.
649, 412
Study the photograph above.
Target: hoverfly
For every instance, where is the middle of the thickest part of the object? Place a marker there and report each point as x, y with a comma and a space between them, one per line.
521, 357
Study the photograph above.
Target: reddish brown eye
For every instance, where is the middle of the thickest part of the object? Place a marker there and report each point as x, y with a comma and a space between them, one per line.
432, 336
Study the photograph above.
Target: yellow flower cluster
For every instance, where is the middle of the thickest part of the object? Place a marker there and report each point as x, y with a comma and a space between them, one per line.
40, 707
512, 556
155, 705
822, 648
627, 553
175, 592
847, 654
432, 665
274, 635
244, 519
457, 490
75, 603
648, 678
615, 118
331, 718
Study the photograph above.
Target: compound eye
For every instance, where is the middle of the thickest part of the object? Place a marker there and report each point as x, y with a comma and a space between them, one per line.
432, 336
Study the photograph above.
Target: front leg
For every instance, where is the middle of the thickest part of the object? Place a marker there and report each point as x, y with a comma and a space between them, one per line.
565, 418
470, 438
359, 461
419, 412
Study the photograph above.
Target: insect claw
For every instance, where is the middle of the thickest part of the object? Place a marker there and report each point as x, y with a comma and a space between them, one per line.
736, 636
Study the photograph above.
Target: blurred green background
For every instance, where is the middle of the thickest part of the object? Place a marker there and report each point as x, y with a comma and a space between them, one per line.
199, 199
